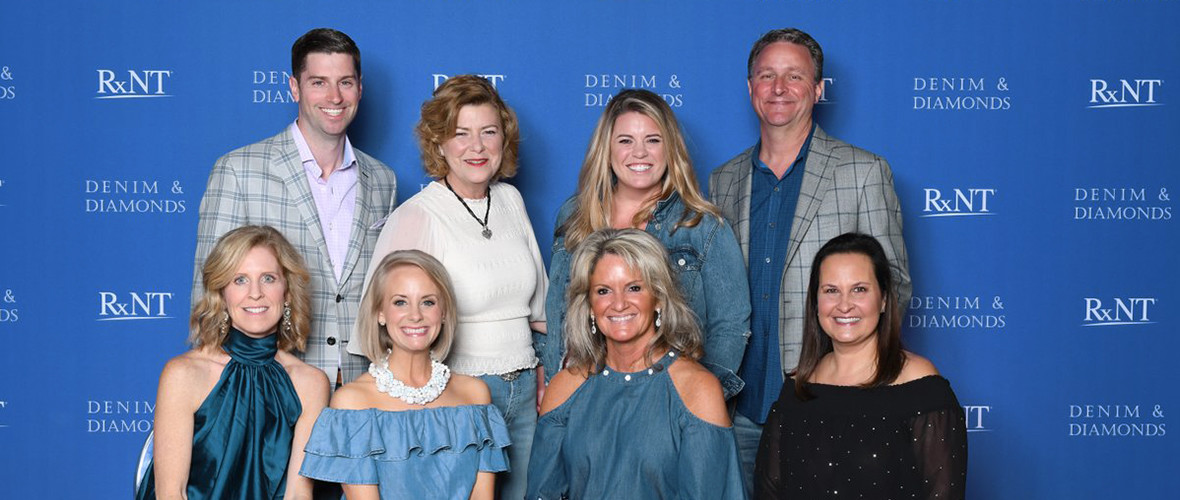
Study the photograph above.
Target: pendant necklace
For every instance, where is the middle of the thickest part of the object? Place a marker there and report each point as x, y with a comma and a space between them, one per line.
487, 233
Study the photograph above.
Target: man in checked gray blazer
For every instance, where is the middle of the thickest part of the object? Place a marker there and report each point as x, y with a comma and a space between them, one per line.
308, 182
785, 197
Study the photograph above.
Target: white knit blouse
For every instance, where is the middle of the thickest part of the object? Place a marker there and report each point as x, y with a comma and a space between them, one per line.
500, 283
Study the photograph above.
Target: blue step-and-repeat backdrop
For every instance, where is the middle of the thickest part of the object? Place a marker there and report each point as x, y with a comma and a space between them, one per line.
1035, 147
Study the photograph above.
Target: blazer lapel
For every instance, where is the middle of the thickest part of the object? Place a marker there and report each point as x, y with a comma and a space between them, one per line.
816, 180
744, 186
295, 179
360, 220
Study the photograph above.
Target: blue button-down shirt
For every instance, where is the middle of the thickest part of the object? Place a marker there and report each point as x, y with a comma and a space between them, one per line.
772, 212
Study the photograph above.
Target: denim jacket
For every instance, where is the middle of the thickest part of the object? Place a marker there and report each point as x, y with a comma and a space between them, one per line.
712, 276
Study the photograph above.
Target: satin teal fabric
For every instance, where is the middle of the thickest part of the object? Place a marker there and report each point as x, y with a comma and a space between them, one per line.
242, 432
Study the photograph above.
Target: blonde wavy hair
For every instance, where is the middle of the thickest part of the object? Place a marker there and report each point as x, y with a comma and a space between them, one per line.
596, 181
220, 268
374, 337
440, 115
645, 254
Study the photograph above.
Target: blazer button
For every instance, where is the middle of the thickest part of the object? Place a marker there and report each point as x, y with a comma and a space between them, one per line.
339, 298
331, 340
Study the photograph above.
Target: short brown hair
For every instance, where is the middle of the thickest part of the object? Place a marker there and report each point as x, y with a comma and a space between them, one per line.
788, 35
441, 113
323, 41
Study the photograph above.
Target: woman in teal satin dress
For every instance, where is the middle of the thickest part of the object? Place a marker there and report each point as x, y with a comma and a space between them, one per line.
233, 414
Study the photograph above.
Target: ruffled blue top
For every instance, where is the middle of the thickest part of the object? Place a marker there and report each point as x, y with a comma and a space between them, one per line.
629, 435
428, 453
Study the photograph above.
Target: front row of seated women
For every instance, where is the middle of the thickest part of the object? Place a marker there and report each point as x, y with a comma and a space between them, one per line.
632, 415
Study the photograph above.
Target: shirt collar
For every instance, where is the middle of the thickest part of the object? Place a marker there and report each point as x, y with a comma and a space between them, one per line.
308, 159
662, 210
799, 159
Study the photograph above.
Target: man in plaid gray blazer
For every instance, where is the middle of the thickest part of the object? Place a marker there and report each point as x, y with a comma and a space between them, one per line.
785, 197
327, 198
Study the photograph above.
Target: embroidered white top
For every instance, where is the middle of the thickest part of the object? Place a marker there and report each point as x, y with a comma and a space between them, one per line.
500, 283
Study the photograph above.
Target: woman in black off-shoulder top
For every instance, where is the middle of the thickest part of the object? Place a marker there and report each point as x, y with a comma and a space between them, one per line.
860, 417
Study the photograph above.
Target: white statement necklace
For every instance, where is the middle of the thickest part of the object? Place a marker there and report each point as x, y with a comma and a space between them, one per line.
387, 383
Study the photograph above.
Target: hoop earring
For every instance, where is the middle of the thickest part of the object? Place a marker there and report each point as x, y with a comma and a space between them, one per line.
224, 327
658, 322
287, 327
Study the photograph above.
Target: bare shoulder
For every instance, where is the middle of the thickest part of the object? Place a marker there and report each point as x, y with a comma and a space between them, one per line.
197, 365
915, 368
561, 387
188, 378
310, 382
700, 391
469, 390
192, 364
355, 395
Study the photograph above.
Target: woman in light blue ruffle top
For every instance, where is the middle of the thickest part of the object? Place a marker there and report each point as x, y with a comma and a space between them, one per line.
408, 428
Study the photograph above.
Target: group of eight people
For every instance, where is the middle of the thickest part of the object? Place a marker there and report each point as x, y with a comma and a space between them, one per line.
607, 376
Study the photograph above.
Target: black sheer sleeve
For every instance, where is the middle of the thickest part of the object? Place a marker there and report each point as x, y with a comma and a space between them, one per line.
770, 462
940, 449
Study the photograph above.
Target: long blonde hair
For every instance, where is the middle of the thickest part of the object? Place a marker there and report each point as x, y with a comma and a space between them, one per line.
220, 268
596, 181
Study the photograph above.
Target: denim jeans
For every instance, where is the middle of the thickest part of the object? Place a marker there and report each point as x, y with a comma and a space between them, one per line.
748, 435
517, 401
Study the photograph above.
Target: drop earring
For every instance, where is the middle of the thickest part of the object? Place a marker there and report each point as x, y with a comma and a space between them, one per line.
287, 327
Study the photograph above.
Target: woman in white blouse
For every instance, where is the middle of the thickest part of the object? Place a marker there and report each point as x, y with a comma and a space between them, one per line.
478, 228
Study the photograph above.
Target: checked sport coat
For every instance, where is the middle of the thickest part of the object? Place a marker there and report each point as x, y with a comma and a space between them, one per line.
844, 189
265, 183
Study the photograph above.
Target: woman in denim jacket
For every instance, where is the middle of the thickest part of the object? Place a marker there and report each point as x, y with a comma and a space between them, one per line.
637, 173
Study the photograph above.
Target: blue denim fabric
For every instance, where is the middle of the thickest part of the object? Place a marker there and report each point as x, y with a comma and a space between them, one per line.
748, 434
711, 272
517, 401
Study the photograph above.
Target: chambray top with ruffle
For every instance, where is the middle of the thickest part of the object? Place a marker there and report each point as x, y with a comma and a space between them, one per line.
421, 454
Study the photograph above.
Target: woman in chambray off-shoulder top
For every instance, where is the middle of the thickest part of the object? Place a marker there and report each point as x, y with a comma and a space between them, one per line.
634, 415
408, 428
637, 173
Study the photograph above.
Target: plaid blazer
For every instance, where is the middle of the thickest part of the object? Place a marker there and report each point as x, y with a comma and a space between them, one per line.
265, 183
844, 189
